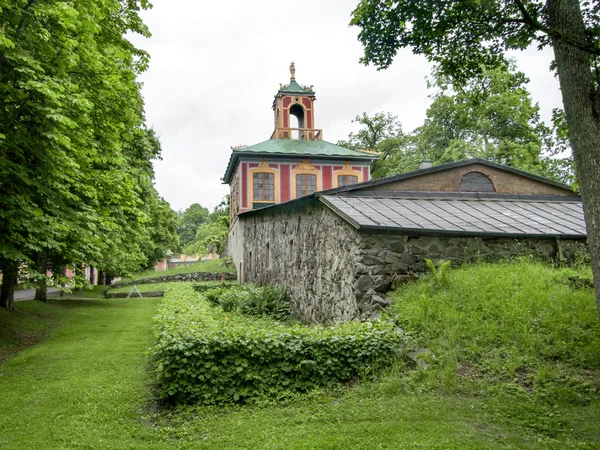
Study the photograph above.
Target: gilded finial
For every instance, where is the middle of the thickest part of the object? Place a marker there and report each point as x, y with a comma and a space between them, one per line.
292, 71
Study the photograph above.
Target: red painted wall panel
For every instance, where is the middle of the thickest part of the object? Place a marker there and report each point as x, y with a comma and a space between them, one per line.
274, 166
365, 174
327, 177
244, 185
284, 177
287, 101
306, 102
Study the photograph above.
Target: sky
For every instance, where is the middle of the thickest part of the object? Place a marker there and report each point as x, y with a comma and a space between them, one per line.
215, 67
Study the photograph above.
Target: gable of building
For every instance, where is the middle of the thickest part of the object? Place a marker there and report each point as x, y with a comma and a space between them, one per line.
473, 175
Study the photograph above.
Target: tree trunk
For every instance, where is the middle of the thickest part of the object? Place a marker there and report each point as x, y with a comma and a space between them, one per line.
582, 112
10, 270
41, 291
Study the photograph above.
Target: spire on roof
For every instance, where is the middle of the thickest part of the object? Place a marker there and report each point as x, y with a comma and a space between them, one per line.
292, 71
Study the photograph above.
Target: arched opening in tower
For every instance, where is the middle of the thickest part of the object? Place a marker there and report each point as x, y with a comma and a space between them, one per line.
297, 121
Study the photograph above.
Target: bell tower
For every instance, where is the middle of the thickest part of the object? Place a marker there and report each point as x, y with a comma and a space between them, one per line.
294, 100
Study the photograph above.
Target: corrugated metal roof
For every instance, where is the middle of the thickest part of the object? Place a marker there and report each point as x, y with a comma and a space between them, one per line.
463, 216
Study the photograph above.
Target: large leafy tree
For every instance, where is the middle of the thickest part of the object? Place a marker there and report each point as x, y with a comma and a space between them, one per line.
383, 134
464, 35
212, 233
194, 216
490, 116
71, 135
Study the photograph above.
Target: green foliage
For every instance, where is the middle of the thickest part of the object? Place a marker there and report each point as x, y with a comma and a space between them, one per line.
114, 407
205, 355
251, 300
210, 235
194, 216
511, 328
75, 152
203, 288
489, 116
438, 273
383, 134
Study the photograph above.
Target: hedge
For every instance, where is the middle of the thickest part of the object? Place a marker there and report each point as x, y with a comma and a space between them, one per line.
204, 355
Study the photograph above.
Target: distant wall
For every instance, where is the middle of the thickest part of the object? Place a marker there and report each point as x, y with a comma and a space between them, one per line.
449, 181
193, 276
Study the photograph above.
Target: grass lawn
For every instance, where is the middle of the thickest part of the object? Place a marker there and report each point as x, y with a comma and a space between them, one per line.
153, 287
213, 265
88, 385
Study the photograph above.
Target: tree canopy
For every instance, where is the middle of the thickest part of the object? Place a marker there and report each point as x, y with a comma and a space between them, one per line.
463, 36
76, 177
491, 116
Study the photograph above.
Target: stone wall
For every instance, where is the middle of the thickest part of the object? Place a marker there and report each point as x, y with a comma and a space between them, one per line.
309, 251
192, 276
385, 257
449, 181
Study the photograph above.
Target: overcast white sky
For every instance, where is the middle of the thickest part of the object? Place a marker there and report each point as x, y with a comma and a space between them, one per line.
215, 67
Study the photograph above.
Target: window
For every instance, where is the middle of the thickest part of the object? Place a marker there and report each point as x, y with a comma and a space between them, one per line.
306, 184
264, 187
476, 182
344, 180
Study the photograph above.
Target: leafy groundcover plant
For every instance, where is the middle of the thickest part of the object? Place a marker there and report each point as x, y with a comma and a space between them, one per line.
205, 355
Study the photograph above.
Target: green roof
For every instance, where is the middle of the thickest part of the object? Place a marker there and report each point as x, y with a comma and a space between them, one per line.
295, 88
294, 147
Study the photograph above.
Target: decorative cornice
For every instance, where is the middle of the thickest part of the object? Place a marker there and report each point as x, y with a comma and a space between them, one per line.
305, 166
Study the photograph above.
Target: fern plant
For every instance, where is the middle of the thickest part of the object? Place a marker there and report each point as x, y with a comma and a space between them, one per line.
439, 273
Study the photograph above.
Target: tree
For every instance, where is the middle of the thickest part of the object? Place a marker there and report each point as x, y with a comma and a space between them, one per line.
70, 115
464, 35
382, 133
213, 232
194, 216
490, 116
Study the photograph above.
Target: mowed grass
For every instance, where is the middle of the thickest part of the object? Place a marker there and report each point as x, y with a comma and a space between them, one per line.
88, 384
211, 265
155, 287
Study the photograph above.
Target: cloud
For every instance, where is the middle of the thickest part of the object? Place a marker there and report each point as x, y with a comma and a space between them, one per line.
215, 67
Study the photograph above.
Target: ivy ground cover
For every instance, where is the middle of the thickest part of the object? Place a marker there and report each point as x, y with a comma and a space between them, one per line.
208, 356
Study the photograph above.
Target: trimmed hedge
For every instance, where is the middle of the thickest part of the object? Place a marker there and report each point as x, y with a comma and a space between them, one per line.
204, 355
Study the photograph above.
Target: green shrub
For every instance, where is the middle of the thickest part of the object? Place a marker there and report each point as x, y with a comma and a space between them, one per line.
204, 287
251, 300
208, 356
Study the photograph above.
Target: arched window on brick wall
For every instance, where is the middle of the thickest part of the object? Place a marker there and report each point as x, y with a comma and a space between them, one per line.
476, 182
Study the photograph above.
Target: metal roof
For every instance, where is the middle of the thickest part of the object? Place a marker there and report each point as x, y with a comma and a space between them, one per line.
295, 88
295, 147
522, 216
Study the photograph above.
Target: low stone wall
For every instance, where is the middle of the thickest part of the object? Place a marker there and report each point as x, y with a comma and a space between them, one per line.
134, 294
384, 258
193, 276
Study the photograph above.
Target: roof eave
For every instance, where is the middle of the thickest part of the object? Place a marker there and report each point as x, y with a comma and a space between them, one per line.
236, 154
